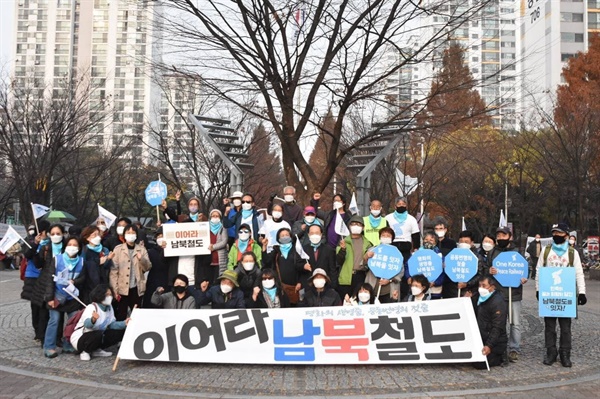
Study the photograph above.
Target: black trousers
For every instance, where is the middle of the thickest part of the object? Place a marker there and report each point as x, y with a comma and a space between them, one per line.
358, 279
127, 302
39, 320
92, 340
550, 332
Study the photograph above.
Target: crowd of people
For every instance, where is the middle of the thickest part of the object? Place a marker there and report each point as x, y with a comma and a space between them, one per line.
255, 262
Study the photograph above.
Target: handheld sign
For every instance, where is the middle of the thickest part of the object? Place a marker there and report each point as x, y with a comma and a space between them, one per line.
461, 265
186, 239
558, 292
156, 192
511, 267
427, 263
387, 261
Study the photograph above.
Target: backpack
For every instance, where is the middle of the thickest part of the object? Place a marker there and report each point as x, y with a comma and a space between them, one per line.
72, 324
571, 255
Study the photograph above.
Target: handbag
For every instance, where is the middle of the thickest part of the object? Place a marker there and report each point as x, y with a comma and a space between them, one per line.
290, 290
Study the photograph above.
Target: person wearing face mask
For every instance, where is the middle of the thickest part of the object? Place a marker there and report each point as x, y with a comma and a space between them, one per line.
390, 289
97, 260
98, 329
291, 211
419, 289
271, 294
67, 272
243, 243
300, 228
194, 211
430, 241
445, 243
178, 298
249, 277
450, 288
272, 226
231, 210
505, 244
218, 246
287, 263
111, 241
352, 255
534, 249
363, 296
159, 273
488, 242
248, 215
320, 256
573, 244
127, 276
560, 254
329, 218
319, 293
491, 311
224, 295
374, 222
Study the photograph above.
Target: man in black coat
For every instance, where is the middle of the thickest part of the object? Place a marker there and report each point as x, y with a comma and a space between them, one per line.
321, 256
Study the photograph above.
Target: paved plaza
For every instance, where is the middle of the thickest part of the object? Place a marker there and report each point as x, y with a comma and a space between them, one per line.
26, 373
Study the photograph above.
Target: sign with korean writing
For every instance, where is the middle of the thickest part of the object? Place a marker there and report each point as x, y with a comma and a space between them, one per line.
156, 192
461, 265
387, 261
186, 238
427, 263
424, 332
511, 268
557, 292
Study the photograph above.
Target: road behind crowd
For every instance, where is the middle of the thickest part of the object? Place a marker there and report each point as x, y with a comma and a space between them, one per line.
25, 373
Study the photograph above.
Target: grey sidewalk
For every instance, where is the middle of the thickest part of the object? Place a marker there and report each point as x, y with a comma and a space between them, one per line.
25, 373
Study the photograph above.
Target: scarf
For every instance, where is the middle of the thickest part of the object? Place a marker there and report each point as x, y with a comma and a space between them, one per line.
315, 246
95, 248
271, 299
561, 249
70, 262
315, 222
56, 249
44, 242
285, 249
400, 217
374, 221
246, 214
271, 292
482, 299
215, 228
194, 216
242, 245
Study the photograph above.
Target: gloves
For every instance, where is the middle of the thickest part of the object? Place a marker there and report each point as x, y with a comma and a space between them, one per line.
537, 295
581, 300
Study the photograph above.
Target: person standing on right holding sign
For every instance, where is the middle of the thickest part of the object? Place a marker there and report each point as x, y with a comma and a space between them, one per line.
559, 254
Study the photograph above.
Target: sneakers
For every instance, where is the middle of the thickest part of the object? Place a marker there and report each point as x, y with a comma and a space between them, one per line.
101, 353
85, 356
513, 356
50, 353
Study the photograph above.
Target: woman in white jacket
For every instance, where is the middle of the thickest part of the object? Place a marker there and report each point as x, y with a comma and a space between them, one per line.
97, 328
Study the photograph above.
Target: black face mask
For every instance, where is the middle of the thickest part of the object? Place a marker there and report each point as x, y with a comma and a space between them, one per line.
400, 209
558, 240
502, 243
179, 289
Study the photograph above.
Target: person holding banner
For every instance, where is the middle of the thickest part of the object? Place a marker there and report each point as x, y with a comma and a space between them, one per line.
374, 222
488, 242
271, 294
430, 241
287, 264
179, 298
218, 246
249, 277
194, 208
419, 287
390, 289
352, 255
127, 276
300, 228
225, 295
272, 226
320, 293
244, 243
97, 259
450, 288
329, 218
560, 254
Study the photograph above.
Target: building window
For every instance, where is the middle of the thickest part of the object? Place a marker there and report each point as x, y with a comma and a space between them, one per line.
564, 57
571, 17
570, 37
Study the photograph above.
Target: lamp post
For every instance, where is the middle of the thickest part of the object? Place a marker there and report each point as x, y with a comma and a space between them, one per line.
515, 164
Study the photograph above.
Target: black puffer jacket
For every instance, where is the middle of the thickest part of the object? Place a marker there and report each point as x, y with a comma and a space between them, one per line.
313, 298
491, 319
43, 260
247, 281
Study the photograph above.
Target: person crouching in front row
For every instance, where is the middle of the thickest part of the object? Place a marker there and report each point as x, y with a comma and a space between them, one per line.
179, 298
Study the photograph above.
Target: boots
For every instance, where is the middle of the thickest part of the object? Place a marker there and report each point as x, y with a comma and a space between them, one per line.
565, 358
551, 355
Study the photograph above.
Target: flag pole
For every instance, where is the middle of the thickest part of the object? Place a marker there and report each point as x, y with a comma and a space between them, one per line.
157, 211
34, 219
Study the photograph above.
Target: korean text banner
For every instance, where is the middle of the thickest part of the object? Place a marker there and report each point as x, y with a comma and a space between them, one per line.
558, 292
186, 238
443, 331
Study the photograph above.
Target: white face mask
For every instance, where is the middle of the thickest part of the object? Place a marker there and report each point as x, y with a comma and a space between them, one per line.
215, 220
464, 245
537, 239
440, 234
244, 236
315, 238
385, 240
337, 205
120, 230
237, 202
108, 300
572, 242
319, 282
130, 238
376, 212
483, 291
268, 283
277, 215
364, 297
226, 289
102, 227
56, 238
248, 266
415, 290
356, 229
31, 232
288, 198
309, 219
487, 246
95, 241
246, 207
160, 241
71, 250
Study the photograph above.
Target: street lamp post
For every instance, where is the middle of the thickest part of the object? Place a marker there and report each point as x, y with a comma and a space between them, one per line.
515, 164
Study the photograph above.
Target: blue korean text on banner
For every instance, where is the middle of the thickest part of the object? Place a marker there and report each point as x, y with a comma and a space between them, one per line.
156, 192
387, 261
461, 265
511, 267
427, 263
557, 292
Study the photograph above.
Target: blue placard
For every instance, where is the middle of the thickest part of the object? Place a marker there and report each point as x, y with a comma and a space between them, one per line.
156, 192
387, 261
427, 263
461, 265
511, 267
558, 292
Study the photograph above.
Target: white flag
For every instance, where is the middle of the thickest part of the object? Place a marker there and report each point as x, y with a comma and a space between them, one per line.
502, 219
300, 250
39, 210
10, 238
464, 226
109, 218
353, 205
405, 184
340, 226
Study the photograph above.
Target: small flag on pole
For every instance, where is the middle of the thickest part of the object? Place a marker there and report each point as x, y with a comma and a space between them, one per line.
10, 238
502, 219
353, 208
39, 210
464, 226
300, 250
108, 217
340, 227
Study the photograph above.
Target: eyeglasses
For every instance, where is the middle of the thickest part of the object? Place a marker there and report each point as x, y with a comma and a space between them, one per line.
246, 202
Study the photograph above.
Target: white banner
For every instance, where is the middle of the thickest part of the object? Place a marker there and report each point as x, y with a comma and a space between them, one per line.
39, 210
441, 331
186, 238
109, 217
10, 238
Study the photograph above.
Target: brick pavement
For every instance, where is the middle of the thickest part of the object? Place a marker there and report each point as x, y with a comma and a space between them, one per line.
21, 361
